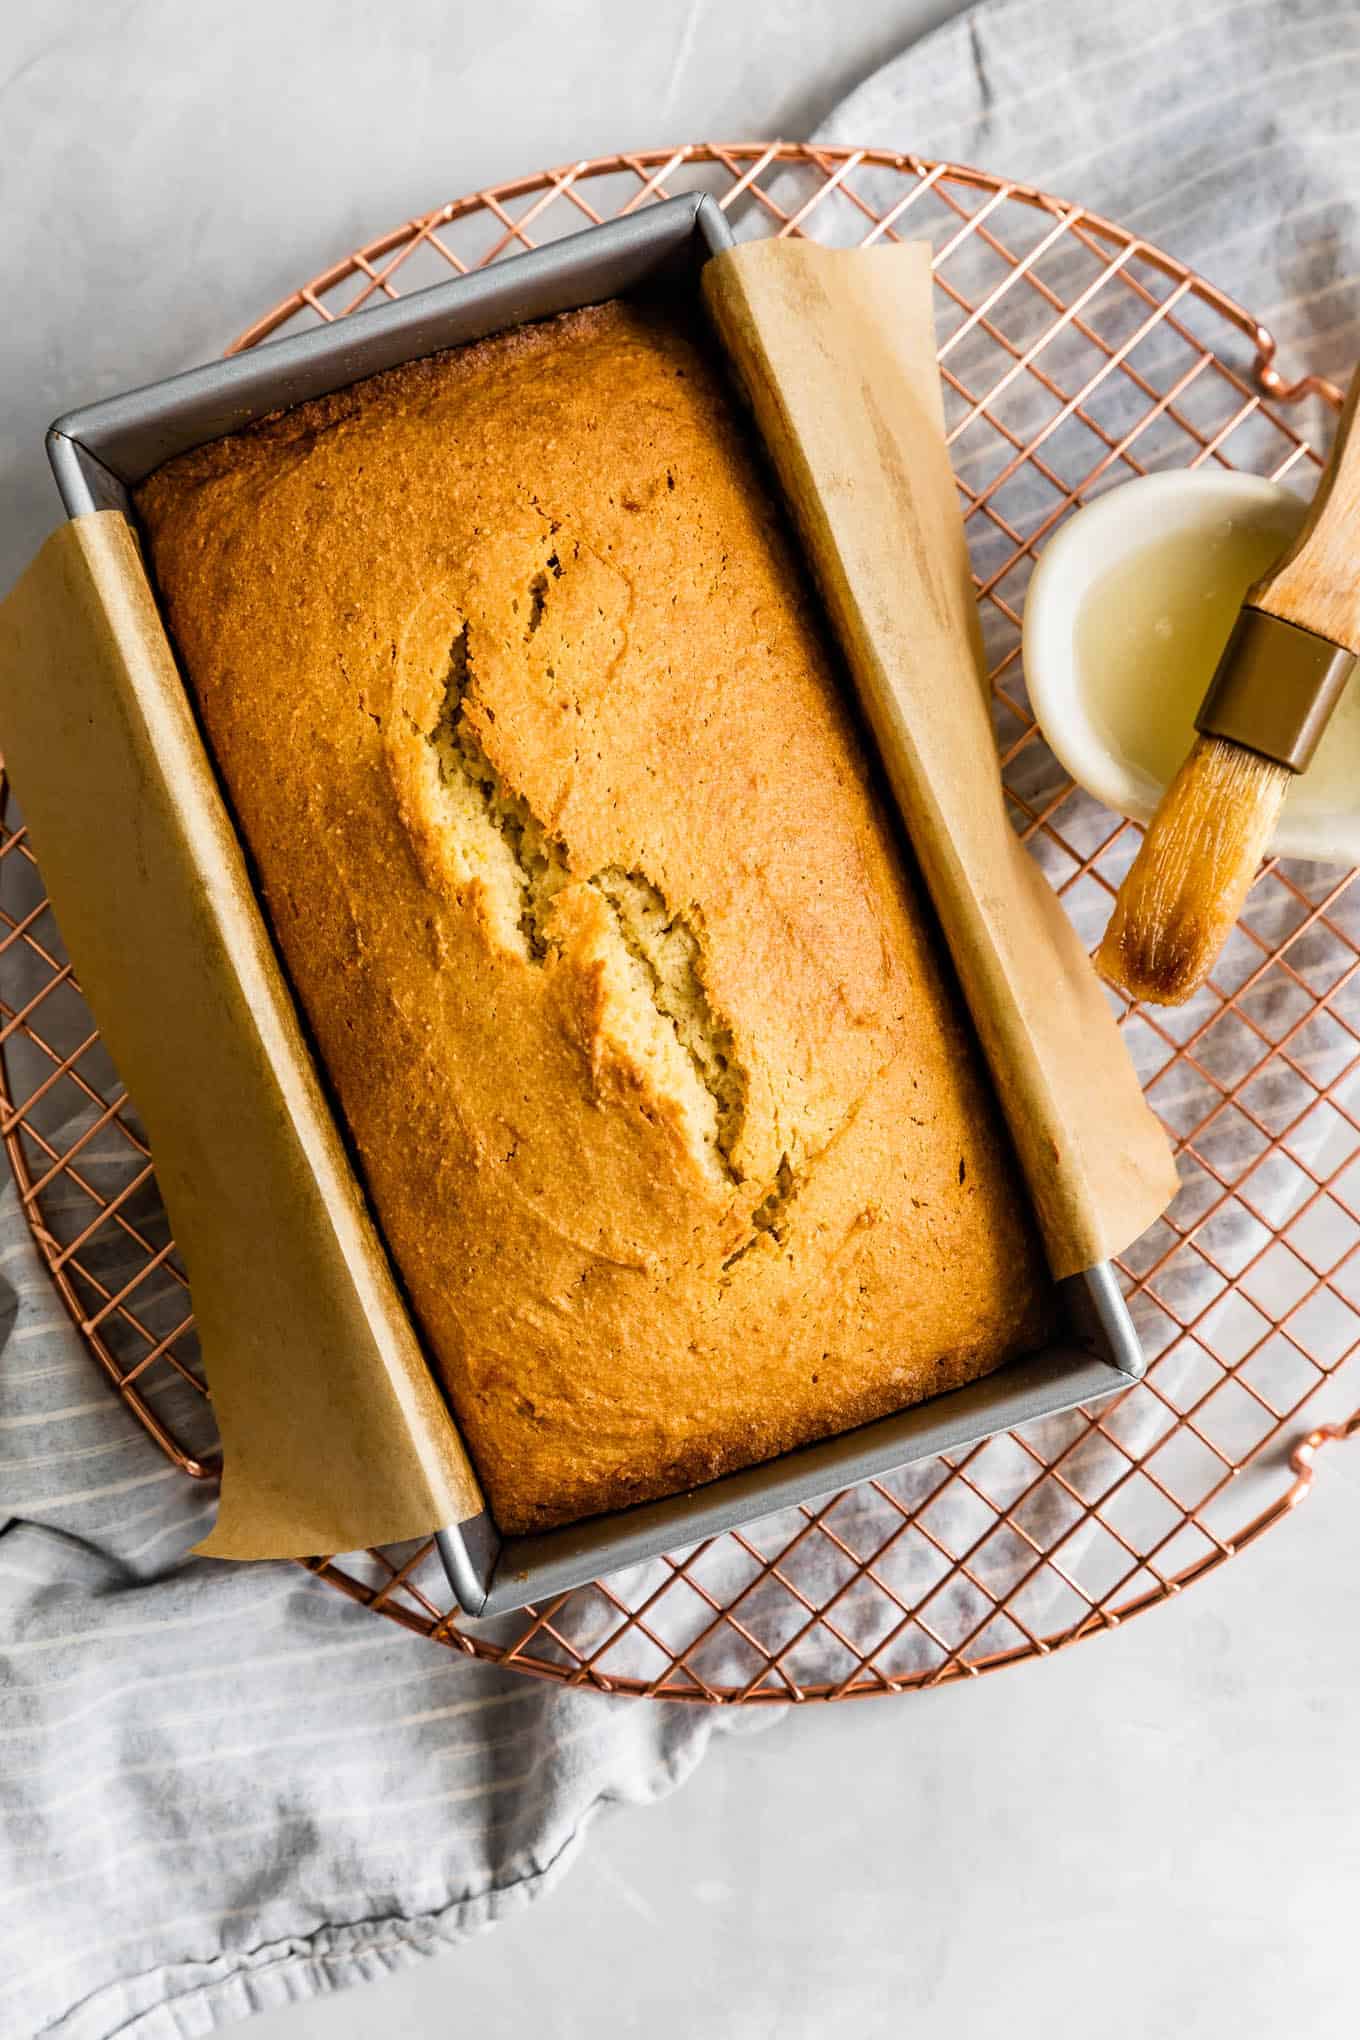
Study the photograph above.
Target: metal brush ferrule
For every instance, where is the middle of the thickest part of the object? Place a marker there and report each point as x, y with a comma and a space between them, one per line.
1275, 688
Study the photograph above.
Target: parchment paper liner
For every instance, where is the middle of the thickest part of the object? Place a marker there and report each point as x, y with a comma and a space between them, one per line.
334, 1434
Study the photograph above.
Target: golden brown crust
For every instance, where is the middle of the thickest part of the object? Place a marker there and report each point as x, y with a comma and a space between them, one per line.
654, 1074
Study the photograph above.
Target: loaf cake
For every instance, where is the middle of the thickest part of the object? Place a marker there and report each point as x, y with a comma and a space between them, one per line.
647, 1048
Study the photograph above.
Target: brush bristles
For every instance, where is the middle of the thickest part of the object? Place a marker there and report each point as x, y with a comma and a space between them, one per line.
1193, 872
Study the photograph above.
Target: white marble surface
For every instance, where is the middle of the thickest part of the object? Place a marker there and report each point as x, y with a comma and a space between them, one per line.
1155, 1833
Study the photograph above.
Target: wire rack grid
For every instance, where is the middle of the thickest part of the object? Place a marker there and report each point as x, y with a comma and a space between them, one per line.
1073, 356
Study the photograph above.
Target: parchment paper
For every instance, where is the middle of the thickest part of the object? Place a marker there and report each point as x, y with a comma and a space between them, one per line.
836, 351
334, 1434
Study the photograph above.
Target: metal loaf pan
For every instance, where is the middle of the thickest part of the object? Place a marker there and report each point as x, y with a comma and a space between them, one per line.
98, 453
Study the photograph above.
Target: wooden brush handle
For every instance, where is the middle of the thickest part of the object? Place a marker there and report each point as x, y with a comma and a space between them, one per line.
1317, 583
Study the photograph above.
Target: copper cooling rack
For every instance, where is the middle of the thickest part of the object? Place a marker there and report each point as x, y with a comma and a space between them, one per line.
1073, 356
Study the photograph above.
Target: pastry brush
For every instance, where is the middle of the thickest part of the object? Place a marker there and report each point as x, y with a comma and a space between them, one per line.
1281, 674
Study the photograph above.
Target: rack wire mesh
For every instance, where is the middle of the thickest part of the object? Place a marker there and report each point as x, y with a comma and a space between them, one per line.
1073, 355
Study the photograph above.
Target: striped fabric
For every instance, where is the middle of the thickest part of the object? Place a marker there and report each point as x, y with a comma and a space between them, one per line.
1227, 131
225, 1788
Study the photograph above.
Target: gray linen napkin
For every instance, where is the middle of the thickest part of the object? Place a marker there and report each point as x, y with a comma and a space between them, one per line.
1226, 131
225, 1788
